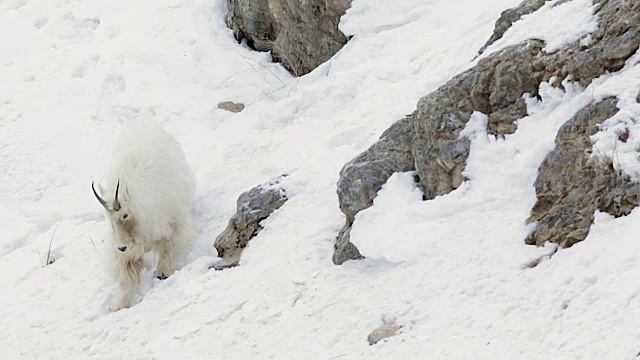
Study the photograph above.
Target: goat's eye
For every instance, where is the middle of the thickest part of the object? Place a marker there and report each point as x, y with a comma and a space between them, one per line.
125, 216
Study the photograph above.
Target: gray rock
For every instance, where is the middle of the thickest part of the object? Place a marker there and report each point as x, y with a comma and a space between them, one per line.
231, 106
508, 17
615, 40
362, 178
344, 249
253, 206
495, 87
300, 35
386, 330
570, 186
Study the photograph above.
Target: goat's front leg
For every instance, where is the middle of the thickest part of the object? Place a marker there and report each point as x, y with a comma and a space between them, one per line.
129, 273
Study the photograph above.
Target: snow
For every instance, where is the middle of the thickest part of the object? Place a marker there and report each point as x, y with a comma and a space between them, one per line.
558, 23
453, 271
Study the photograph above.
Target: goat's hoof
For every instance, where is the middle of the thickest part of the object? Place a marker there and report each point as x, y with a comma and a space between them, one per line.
122, 306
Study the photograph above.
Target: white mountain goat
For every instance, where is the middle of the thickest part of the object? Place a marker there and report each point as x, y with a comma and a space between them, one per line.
148, 198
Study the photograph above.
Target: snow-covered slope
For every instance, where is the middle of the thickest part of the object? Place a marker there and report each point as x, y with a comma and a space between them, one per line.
454, 272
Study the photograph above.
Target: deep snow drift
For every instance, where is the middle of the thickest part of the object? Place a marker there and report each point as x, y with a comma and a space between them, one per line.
454, 271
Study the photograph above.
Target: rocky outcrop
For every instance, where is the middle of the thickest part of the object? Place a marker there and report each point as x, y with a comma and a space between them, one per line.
253, 206
363, 176
571, 186
300, 35
361, 179
495, 87
508, 17
615, 40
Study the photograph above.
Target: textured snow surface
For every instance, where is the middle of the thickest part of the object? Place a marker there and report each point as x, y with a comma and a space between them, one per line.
453, 272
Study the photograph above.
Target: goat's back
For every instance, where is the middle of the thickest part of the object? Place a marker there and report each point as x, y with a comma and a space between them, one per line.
152, 170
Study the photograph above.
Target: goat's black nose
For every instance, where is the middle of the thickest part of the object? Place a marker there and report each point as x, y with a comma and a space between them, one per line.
122, 248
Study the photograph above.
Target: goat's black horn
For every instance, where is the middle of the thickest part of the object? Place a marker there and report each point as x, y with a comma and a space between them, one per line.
116, 203
101, 200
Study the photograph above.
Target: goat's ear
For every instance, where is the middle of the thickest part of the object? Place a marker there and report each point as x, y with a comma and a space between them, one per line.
126, 194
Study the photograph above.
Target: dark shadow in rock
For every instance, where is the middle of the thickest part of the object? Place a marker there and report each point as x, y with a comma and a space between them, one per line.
300, 35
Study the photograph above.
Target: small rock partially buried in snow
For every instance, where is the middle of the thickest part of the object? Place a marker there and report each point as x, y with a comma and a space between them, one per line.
225, 264
231, 106
385, 331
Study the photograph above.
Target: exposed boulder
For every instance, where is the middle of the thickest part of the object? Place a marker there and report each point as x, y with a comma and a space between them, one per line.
362, 178
615, 40
571, 186
344, 248
300, 35
429, 141
495, 87
508, 17
253, 206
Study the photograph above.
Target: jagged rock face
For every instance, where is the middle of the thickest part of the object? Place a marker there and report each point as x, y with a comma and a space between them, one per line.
300, 35
570, 186
361, 179
495, 87
253, 206
615, 40
508, 17
344, 249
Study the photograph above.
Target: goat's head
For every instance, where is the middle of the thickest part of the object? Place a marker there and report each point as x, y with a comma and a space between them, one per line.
123, 222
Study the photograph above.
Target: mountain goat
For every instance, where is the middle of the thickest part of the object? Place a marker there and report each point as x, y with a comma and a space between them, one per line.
148, 199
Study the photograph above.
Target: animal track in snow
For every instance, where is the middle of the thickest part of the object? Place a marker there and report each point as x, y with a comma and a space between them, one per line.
40, 22
112, 32
74, 30
17, 4
112, 86
87, 65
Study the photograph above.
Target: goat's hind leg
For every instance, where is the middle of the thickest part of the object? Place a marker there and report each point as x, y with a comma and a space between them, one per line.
165, 259
167, 249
